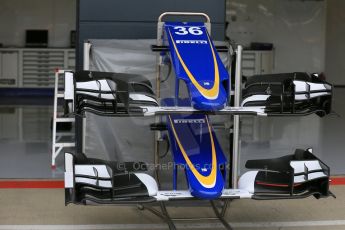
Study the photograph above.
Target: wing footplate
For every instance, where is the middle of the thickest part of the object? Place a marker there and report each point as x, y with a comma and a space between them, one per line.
289, 177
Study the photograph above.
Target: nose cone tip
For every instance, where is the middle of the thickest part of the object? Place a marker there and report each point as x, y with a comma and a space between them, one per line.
207, 194
208, 105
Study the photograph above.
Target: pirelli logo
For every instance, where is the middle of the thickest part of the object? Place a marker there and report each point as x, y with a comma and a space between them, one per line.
189, 121
191, 42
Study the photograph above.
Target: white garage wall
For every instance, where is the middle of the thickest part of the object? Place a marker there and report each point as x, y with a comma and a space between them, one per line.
297, 29
58, 16
335, 42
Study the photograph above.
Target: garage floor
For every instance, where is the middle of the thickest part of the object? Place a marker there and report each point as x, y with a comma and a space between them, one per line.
44, 209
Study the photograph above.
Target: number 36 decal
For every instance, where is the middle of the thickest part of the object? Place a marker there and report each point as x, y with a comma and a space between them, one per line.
194, 30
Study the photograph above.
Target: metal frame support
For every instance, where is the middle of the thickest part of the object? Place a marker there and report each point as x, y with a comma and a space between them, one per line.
157, 134
56, 145
86, 57
164, 215
196, 14
54, 152
220, 214
236, 128
229, 68
163, 212
81, 123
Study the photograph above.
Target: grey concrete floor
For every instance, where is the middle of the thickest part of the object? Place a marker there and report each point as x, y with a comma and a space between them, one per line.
44, 209
25, 142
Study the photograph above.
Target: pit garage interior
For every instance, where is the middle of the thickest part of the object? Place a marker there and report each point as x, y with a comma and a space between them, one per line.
40, 39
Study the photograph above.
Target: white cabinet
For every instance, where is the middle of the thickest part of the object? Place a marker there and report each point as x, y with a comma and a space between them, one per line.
257, 62
33, 68
39, 66
9, 68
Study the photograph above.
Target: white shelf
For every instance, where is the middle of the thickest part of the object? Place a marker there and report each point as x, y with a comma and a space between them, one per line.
33, 68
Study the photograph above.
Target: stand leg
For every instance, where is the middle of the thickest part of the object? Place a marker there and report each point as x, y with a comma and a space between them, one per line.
167, 217
164, 215
156, 153
220, 215
225, 207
